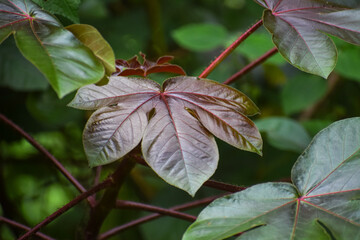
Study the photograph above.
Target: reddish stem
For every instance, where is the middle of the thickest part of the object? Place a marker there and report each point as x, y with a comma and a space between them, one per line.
99, 213
150, 208
251, 66
223, 186
108, 182
21, 226
230, 49
45, 152
142, 220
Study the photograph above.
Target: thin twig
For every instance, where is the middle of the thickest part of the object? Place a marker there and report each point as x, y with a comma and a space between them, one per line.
108, 201
21, 226
230, 49
251, 66
168, 212
108, 182
97, 175
97, 180
145, 219
45, 152
223, 186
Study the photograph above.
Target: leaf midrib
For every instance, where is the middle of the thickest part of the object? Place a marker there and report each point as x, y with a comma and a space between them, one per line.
163, 99
217, 117
126, 118
327, 176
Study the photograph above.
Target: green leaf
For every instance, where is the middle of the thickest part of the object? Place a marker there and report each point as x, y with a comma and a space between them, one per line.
61, 57
66, 8
299, 31
301, 92
323, 202
314, 126
284, 133
174, 121
349, 62
200, 37
91, 38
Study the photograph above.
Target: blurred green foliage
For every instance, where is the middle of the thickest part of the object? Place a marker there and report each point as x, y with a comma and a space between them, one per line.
292, 96
200, 37
31, 188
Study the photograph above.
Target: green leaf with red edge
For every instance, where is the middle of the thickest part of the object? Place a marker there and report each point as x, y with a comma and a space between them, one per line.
299, 27
91, 38
55, 51
174, 121
134, 67
322, 203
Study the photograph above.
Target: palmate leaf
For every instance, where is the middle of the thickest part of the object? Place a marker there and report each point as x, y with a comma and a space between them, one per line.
174, 122
322, 203
299, 27
55, 51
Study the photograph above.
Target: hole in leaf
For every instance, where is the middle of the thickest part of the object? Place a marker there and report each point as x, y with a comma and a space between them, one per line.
151, 114
192, 113
327, 230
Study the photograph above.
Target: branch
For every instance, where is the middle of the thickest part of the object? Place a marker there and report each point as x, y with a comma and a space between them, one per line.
223, 186
230, 49
21, 226
108, 182
45, 152
108, 201
97, 180
150, 208
251, 66
142, 220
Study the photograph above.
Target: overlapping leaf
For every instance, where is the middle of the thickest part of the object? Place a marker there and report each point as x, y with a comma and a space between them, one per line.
134, 67
284, 133
322, 202
174, 122
298, 29
65, 62
91, 38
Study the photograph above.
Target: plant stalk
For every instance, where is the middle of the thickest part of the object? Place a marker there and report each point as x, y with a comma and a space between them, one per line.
21, 226
141, 206
108, 201
230, 49
251, 66
148, 218
108, 182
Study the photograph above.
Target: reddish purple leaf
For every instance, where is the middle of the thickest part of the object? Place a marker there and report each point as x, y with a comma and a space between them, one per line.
176, 141
299, 27
134, 67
